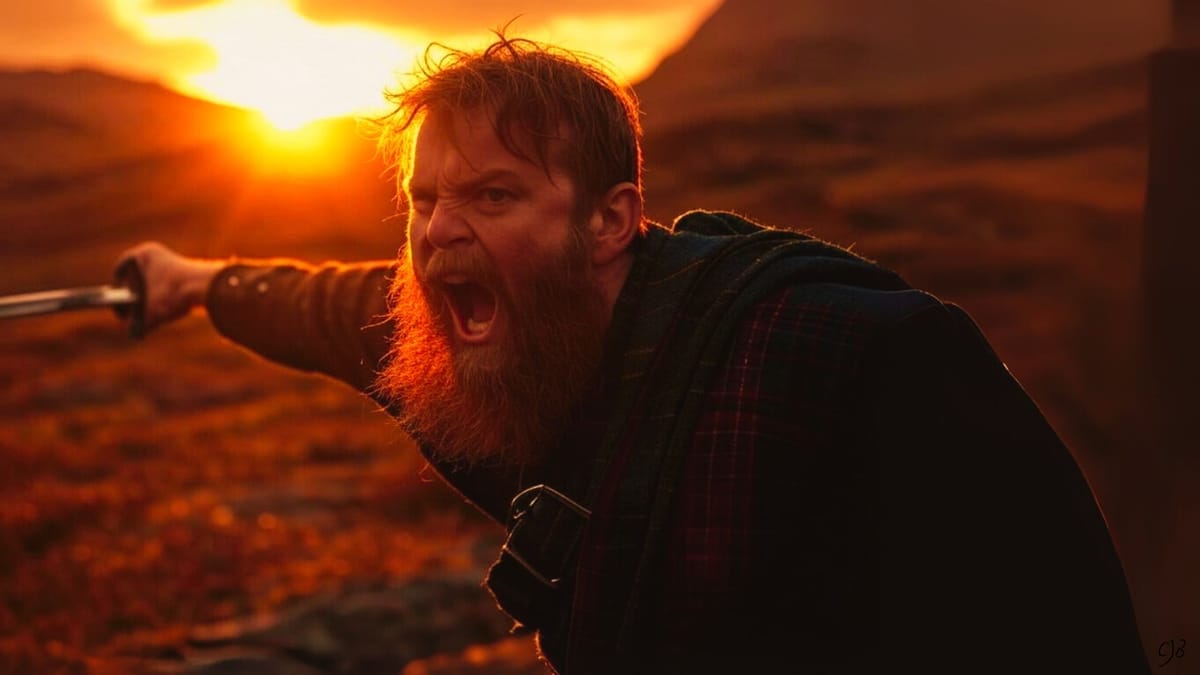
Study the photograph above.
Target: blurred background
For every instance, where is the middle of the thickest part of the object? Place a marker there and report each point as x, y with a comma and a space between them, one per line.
178, 505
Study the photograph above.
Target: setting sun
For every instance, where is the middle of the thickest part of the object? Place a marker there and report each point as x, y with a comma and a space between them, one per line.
270, 59
265, 56
314, 148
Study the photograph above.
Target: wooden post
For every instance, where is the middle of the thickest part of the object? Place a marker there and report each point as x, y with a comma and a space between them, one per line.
1169, 602
1185, 23
1172, 238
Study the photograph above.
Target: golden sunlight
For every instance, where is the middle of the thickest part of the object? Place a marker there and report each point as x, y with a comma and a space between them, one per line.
631, 43
271, 60
306, 149
268, 58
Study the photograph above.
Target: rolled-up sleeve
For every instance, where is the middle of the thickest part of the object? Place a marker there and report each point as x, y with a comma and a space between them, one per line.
329, 318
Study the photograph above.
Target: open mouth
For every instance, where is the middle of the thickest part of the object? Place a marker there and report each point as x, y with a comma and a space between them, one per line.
473, 307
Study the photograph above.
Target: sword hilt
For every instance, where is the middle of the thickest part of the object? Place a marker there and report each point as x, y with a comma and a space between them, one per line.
129, 275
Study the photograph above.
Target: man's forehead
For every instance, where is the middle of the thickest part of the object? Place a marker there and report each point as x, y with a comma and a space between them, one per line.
467, 143
457, 129
464, 140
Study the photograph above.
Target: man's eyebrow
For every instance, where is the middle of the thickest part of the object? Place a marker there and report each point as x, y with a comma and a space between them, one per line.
416, 191
421, 190
478, 179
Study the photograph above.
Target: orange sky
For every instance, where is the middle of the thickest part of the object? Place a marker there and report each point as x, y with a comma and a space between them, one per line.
298, 60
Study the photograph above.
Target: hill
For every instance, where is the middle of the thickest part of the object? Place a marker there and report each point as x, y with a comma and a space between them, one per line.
90, 162
752, 53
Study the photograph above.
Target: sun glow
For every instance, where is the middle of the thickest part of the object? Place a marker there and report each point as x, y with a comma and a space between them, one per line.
269, 59
311, 149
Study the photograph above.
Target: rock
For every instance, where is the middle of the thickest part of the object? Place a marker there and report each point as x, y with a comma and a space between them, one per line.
374, 629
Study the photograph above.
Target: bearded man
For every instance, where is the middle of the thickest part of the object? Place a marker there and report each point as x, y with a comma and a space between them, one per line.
717, 446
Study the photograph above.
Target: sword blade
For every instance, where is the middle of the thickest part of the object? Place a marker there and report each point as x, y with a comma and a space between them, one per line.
63, 299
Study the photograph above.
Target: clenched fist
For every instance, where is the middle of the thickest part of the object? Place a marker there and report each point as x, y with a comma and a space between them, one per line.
170, 284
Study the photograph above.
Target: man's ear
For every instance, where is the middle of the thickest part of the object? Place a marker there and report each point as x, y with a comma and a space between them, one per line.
615, 221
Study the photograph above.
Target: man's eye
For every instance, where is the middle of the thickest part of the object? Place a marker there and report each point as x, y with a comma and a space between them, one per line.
495, 195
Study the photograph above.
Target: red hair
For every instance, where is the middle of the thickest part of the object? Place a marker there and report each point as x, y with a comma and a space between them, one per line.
547, 104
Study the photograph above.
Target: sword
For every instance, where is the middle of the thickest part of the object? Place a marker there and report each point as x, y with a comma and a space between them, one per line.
126, 297
64, 299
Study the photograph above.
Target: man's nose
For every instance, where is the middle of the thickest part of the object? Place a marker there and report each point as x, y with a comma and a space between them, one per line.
447, 228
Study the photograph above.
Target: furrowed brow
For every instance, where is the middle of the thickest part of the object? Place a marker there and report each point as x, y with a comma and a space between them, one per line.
481, 179
417, 191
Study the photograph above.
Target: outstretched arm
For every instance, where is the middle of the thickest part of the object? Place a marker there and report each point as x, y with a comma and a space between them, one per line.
328, 318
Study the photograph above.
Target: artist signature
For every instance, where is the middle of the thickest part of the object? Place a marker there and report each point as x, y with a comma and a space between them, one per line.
1169, 650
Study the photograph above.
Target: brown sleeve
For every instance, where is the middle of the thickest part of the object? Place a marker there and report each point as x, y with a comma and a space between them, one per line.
329, 318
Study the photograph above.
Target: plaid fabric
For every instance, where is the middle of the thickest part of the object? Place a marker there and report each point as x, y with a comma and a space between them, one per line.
772, 395
748, 412
774, 422
864, 487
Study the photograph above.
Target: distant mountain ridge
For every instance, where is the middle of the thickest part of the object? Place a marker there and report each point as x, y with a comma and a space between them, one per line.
56, 120
101, 97
822, 52
20, 117
91, 162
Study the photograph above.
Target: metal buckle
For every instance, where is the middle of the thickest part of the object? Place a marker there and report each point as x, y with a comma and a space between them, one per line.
525, 500
543, 500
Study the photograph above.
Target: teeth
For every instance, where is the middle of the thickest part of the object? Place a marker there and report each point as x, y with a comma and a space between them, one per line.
476, 327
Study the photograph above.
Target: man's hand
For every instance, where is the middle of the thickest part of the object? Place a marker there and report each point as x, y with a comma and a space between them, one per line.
171, 284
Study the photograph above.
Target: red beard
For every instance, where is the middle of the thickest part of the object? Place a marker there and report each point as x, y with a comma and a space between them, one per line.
508, 401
